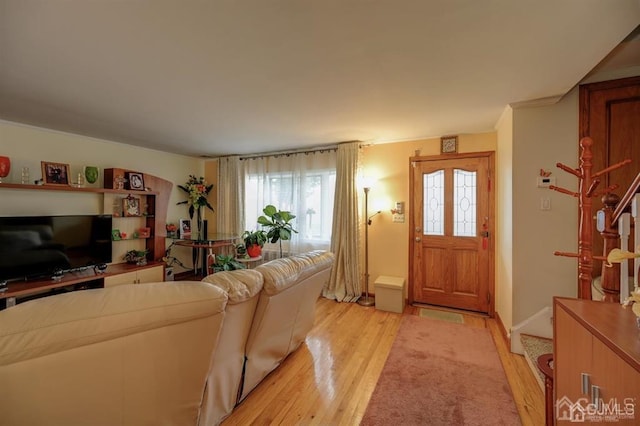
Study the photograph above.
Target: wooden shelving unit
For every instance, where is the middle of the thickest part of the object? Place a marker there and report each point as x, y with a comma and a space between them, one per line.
70, 188
157, 201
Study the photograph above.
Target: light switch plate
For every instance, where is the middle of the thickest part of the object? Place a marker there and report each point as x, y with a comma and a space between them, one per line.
545, 203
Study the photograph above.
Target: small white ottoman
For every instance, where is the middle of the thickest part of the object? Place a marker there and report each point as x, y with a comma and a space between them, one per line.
389, 293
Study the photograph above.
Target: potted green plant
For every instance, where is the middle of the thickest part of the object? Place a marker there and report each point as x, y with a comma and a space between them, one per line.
278, 224
254, 241
226, 263
138, 257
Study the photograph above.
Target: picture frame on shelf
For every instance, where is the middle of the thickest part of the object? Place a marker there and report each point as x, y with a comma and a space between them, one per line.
115, 235
131, 206
55, 173
134, 181
185, 228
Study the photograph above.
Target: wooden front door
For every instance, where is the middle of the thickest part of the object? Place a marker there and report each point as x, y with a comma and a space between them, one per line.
451, 219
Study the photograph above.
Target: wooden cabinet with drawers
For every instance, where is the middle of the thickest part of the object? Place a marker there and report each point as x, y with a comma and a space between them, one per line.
138, 276
596, 362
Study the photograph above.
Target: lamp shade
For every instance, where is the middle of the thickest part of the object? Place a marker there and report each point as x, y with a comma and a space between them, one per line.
366, 182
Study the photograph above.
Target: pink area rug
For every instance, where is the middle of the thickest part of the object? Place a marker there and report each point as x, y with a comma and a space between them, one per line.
441, 373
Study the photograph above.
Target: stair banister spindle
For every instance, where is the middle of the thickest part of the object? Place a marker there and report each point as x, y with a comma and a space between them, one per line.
635, 212
624, 230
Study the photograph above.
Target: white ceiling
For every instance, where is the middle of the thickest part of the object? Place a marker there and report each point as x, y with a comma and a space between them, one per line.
220, 77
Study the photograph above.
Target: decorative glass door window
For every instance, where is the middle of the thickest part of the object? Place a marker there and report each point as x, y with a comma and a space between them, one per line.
433, 185
465, 203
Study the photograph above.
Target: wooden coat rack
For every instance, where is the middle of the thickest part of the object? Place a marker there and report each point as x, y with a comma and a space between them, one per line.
588, 182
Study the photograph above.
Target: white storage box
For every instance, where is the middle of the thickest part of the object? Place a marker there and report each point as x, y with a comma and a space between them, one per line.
389, 293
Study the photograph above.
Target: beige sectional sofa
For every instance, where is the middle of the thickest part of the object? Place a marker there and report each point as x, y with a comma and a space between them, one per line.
180, 353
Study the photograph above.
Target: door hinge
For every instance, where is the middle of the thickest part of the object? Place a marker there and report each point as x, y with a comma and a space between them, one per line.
488, 297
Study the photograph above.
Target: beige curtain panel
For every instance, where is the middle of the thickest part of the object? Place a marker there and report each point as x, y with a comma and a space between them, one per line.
230, 208
344, 284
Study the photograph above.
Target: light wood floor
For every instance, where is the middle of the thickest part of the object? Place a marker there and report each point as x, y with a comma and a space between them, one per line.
330, 378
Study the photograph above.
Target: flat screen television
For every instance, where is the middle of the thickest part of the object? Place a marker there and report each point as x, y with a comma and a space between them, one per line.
33, 247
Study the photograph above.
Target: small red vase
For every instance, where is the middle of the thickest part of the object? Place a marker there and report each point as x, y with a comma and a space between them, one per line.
5, 167
254, 250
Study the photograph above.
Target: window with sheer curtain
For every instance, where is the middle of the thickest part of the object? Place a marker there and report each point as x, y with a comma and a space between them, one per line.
301, 183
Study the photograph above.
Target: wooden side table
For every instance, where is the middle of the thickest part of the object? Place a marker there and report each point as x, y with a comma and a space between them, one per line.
206, 247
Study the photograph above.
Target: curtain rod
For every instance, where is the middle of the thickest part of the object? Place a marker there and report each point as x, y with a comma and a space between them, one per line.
331, 147
290, 152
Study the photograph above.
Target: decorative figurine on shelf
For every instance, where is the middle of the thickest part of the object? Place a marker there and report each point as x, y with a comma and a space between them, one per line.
144, 232
80, 182
91, 173
171, 230
5, 167
24, 175
120, 180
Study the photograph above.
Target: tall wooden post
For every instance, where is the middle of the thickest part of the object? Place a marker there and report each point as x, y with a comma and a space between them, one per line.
588, 182
585, 227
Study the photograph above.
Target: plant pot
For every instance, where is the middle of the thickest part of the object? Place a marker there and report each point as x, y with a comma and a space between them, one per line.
254, 250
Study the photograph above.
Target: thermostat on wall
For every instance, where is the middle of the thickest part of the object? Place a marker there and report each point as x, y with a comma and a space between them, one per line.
546, 181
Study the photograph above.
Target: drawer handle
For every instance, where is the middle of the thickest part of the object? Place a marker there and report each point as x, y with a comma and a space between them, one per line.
584, 386
595, 396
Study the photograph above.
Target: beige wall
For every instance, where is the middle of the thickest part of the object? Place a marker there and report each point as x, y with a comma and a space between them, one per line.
27, 146
389, 165
542, 137
504, 219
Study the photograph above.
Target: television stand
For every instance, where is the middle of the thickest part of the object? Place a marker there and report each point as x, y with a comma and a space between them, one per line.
87, 278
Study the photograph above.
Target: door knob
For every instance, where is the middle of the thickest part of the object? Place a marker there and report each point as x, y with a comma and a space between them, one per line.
418, 239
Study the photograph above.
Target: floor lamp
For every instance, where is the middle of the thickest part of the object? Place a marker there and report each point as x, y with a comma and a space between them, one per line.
367, 301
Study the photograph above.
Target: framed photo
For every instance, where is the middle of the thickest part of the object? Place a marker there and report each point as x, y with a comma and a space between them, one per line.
185, 228
448, 144
115, 235
55, 173
131, 206
134, 180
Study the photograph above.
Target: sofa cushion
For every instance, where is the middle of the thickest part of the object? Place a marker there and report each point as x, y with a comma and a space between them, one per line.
225, 378
281, 274
285, 311
86, 317
240, 285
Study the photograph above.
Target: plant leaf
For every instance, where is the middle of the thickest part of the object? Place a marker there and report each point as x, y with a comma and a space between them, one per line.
285, 234
264, 221
270, 210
